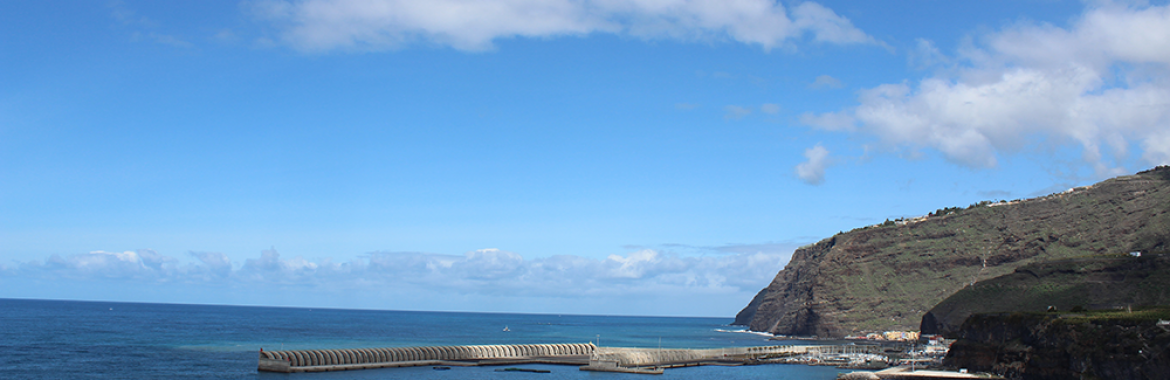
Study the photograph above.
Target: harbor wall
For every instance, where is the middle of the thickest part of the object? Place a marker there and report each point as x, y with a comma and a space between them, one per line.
365, 358
586, 355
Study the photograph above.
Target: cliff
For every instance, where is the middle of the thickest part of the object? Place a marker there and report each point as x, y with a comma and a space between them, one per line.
886, 277
1084, 283
1043, 346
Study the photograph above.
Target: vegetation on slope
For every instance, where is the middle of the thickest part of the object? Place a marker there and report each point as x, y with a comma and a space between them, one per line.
886, 276
1081, 284
1102, 344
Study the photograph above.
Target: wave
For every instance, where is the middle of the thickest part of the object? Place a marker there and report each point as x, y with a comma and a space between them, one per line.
748, 331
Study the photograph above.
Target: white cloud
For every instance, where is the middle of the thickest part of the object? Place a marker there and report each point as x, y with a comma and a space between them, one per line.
169, 40
813, 171
716, 282
491, 264
825, 81
632, 266
141, 265
831, 121
216, 263
1103, 84
926, 54
143, 27
770, 108
321, 25
735, 112
1157, 147
126, 16
485, 271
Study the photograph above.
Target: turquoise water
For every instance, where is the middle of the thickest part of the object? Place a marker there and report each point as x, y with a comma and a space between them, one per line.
109, 340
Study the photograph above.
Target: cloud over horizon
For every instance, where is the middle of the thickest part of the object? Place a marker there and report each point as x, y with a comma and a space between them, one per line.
323, 25
1102, 84
738, 272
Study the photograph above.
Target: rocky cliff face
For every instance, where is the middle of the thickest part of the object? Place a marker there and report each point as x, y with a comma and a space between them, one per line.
1039, 346
886, 277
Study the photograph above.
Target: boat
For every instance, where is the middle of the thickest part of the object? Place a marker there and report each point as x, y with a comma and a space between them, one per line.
440, 368
506, 329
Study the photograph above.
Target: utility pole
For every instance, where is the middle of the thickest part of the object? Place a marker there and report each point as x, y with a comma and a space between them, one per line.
912, 361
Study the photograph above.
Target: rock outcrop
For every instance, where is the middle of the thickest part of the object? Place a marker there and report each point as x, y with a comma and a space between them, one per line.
886, 277
1043, 346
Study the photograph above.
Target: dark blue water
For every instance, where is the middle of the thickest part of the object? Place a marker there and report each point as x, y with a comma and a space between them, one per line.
110, 340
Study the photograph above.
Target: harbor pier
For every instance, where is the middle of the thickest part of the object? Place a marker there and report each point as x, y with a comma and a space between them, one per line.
370, 358
587, 356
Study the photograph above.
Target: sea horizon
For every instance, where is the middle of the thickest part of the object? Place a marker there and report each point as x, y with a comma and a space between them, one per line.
359, 309
130, 340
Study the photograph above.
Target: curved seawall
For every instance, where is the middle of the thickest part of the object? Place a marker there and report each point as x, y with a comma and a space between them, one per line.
585, 355
368, 358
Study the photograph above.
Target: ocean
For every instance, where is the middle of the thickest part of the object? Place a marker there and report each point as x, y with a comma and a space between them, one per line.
42, 339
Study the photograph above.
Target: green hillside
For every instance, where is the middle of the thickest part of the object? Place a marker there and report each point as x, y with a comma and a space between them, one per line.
1089, 284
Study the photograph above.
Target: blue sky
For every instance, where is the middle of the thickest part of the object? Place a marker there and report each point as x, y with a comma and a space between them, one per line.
650, 157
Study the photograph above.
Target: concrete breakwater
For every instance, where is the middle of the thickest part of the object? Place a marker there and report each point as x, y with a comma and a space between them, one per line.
587, 356
369, 358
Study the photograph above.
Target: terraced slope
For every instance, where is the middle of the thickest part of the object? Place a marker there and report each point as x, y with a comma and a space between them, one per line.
885, 277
